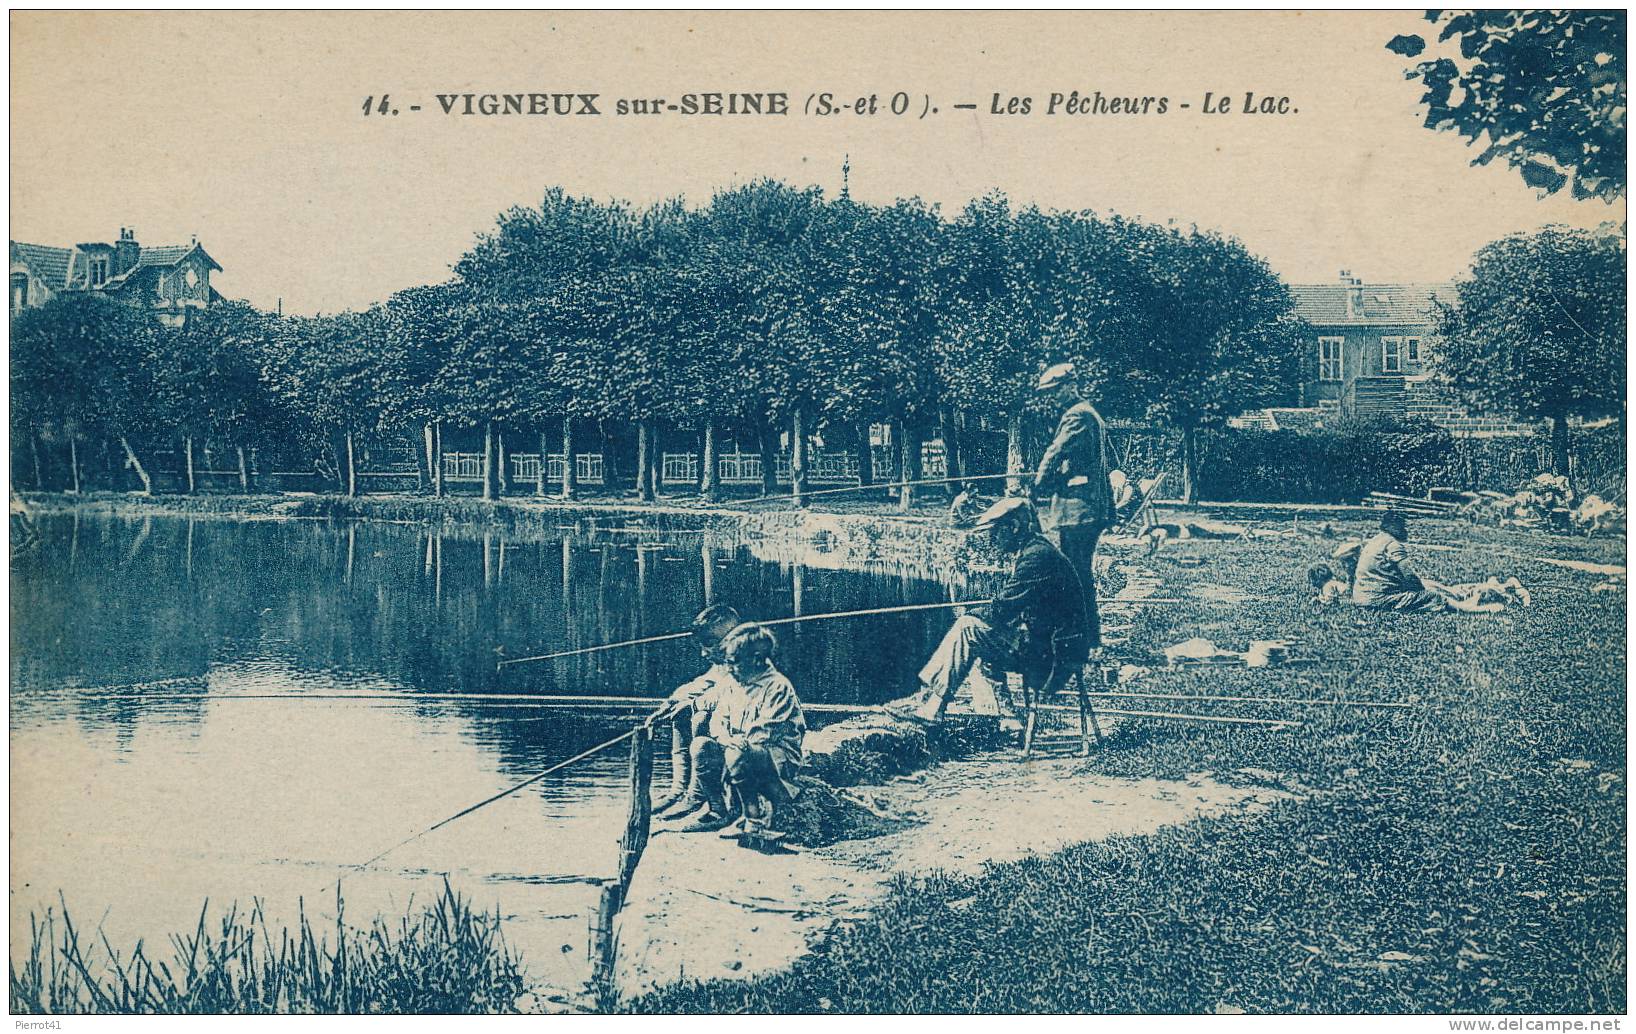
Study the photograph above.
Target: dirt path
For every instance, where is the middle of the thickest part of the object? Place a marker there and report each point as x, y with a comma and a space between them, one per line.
701, 907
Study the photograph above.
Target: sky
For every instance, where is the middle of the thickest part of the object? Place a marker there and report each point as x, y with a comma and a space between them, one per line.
247, 131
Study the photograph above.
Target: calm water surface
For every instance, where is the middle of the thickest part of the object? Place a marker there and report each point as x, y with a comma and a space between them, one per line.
145, 781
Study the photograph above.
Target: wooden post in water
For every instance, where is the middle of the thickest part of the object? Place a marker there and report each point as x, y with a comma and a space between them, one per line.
640, 815
638, 821
602, 941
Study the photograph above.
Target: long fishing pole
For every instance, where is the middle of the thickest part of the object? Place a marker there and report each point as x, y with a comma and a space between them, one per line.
775, 621
669, 636
559, 766
592, 702
885, 484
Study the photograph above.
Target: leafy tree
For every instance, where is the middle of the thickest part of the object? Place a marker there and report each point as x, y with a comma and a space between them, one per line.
83, 363
209, 381
482, 379
1539, 329
1006, 311
417, 343
327, 369
877, 310
533, 250
1545, 90
764, 231
1217, 336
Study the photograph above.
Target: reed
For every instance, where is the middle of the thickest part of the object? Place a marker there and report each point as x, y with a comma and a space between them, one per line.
442, 958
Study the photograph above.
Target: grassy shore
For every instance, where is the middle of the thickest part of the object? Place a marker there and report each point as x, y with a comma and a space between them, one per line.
1464, 855
1467, 855
445, 958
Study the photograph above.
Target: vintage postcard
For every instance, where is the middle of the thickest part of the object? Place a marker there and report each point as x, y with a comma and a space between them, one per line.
819, 513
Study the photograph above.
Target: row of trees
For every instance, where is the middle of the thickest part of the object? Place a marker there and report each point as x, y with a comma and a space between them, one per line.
770, 313
773, 313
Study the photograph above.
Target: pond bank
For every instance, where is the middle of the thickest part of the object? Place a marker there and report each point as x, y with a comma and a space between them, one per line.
702, 908
819, 538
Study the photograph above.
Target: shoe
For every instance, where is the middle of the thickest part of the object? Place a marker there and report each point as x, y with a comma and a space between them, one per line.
671, 798
904, 711
709, 822
733, 830
682, 807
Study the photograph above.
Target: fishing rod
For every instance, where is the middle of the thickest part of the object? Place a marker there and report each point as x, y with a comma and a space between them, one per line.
588, 701
887, 484
775, 621
559, 766
669, 636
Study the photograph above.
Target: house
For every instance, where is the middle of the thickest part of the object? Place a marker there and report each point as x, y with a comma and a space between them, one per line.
1369, 356
1369, 346
170, 279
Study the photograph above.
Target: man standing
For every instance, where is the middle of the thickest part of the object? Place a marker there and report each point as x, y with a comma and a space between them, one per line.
1074, 473
1035, 622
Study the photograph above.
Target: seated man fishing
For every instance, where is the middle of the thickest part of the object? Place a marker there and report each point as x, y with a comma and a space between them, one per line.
755, 740
1037, 622
687, 710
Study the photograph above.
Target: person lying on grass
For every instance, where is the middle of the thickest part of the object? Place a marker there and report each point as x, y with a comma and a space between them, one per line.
755, 739
1385, 581
1036, 625
687, 711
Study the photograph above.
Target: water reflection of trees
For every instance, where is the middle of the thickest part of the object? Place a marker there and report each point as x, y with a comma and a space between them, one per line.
116, 601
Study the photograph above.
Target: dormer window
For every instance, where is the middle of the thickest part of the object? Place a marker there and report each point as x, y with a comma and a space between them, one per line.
99, 272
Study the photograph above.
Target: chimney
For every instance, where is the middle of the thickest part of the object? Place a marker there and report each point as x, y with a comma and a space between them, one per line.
126, 251
1354, 294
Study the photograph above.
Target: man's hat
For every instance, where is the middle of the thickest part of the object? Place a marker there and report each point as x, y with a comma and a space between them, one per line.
1054, 376
1003, 510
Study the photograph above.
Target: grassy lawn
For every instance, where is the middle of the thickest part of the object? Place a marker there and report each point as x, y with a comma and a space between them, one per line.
1464, 856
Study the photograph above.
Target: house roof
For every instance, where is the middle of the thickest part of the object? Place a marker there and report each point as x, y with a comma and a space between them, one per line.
51, 264
1385, 304
170, 254
48, 263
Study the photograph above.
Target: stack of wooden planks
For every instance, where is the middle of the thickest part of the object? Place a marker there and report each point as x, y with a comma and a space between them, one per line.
1411, 505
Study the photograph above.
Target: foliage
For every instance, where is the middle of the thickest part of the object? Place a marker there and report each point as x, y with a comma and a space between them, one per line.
1005, 298
325, 369
1217, 332
767, 302
83, 362
1539, 326
1463, 855
1545, 90
208, 374
445, 959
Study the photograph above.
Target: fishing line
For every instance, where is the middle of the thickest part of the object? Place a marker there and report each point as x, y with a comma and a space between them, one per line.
486, 802
1107, 601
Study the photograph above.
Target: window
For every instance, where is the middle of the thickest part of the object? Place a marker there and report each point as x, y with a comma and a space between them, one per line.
1412, 346
1391, 355
99, 272
1329, 358
19, 293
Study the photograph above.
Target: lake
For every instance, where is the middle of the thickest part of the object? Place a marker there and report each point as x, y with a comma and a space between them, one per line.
148, 777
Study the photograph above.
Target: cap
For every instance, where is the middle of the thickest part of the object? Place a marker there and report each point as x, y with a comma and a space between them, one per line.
1054, 376
1001, 511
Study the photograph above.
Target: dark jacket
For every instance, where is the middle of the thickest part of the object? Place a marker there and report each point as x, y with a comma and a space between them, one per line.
1074, 470
1042, 604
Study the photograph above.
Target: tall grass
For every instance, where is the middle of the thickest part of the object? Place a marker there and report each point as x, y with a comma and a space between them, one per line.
445, 958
